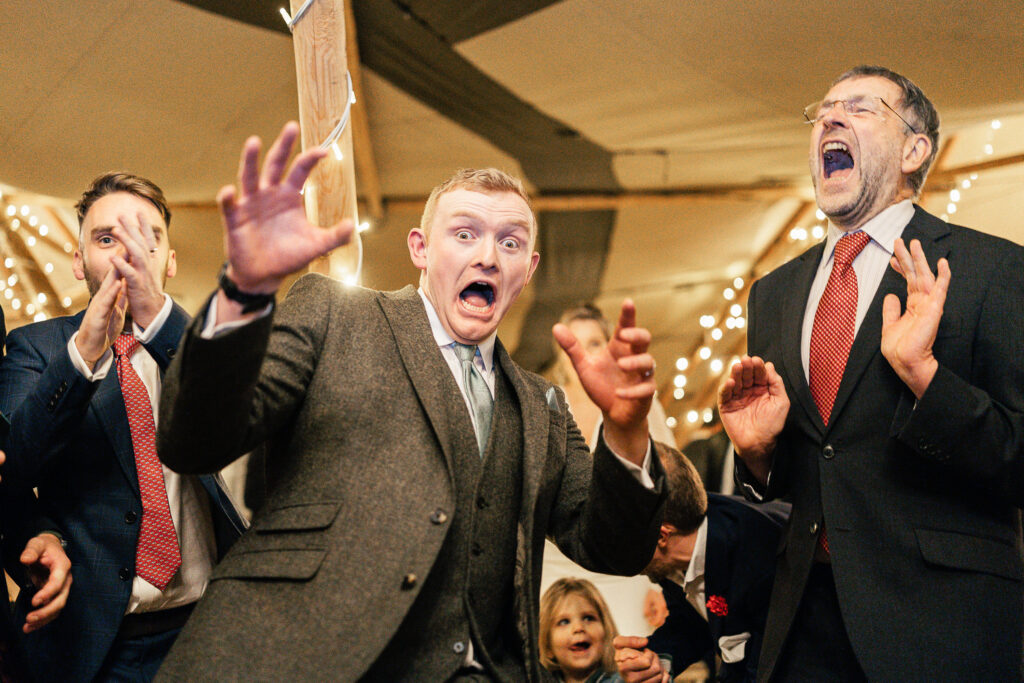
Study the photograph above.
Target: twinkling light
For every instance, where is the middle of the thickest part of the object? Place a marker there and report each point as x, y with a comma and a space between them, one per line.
670, 422
707, 321
708, 415
364, 226
951, 208
67, 302
41, 298
679, 381
692, 416
735, 310
996, 124
679, 393
729, 294
738, 283
48, 267
817, 232
704, 353
954, 195
8, 262
716, 365
820, 215
682, 364
716, 334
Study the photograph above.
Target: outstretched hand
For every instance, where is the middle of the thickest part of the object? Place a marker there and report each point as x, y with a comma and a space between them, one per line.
267, 235
907, 339
619, 380
753, 405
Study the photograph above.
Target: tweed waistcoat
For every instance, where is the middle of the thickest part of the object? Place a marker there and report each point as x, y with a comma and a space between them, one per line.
467, 596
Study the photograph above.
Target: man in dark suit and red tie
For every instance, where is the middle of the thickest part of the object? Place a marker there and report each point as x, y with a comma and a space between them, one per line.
80, 392
884, 396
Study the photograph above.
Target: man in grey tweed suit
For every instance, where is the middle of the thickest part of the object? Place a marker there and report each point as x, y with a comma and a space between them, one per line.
401, 538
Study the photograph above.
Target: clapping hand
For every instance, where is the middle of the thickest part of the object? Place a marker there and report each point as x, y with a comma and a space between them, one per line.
753, 404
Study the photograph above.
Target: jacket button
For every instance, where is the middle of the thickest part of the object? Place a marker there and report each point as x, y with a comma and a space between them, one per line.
438, 516
814, 528
63, 385
124, 574
481, 503
171, 352
476, 549
130, 517
459, 647
828, 452
409, 581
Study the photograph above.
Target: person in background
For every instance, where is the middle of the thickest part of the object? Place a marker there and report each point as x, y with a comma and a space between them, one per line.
715, 562
630, 598
576, 632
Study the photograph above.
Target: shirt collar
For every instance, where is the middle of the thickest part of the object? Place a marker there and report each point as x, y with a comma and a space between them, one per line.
695, 570
444, 339
883, 229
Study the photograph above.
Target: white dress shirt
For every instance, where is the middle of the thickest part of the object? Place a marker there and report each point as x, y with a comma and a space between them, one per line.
189, 504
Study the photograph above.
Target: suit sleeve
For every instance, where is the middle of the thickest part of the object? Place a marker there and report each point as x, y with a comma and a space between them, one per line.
975, 425
223, 397
603, 518
684, 636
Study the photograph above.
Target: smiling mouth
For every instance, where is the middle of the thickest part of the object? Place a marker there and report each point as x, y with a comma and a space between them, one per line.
835, 157
478, 297
580, 647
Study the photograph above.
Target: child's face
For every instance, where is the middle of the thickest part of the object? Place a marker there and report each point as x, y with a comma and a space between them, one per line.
577, 636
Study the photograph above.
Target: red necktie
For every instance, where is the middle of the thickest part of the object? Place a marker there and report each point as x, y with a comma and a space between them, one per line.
834, 323
832, 334
157, 557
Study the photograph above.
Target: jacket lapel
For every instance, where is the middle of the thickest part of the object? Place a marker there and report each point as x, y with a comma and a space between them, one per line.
427, 369
792, 331
536, 426
868, 343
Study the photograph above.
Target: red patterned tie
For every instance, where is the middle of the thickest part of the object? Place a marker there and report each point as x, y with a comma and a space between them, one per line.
157, 557
832, 334
834, 323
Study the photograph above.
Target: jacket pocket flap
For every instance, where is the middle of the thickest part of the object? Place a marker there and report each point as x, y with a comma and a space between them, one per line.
302, 517
299, 564
972, 553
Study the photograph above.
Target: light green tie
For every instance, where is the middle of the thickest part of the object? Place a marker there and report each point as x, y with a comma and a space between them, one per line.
480, 401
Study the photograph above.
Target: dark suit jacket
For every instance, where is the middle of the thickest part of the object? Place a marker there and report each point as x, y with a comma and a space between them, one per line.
70, 438
354, 394
921, 502
739, 565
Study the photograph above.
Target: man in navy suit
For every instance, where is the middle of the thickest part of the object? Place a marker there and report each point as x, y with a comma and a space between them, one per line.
715, 562
47, 577
142, 539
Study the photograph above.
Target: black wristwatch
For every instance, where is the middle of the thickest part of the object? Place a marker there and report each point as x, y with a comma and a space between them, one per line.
250, 302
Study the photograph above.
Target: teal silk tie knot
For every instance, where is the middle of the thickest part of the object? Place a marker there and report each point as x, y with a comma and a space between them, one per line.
480, 401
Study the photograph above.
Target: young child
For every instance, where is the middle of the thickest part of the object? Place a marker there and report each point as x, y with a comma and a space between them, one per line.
576, 632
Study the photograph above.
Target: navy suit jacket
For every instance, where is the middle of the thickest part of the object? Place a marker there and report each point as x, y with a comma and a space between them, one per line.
70, 438
739, 566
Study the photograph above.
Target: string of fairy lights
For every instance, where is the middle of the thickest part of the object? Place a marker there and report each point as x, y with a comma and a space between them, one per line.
698, 374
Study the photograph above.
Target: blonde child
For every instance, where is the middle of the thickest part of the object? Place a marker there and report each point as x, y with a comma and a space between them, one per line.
576, 632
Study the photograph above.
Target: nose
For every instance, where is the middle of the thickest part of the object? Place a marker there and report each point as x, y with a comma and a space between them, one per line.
836, 115
486, 253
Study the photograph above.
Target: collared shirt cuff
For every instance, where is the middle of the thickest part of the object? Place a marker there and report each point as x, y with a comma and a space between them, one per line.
211, 329
149, 334
99, 371
642, 473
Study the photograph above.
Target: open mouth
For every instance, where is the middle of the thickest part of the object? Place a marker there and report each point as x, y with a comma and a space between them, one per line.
835, 157
580, 647
478, 297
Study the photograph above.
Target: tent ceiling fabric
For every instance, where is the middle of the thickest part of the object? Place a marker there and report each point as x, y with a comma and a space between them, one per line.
581, 96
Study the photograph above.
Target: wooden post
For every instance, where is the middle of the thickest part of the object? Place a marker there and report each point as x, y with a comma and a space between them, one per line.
320, 65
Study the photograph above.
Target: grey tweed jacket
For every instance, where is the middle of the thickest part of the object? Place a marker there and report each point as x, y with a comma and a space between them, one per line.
348, 388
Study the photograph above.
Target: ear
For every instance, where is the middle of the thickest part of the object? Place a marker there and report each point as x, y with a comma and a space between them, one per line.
534, 260
78, 265
172, 263
916, 150
418, 248
666, 531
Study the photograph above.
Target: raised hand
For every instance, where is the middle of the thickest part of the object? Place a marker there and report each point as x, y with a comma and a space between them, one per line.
619, 380
49, 569
104, 318
141, 270
753, 405
907, 339
637, 664
267, 235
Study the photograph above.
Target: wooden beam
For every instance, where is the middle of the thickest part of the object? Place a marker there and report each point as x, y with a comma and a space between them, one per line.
365, 160
1000, 162
321, 62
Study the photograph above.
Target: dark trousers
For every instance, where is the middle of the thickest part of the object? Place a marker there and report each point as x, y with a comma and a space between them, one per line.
136, 660
818, 648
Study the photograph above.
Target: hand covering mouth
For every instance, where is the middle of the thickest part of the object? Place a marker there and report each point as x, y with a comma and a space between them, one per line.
835, 156
478, 296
